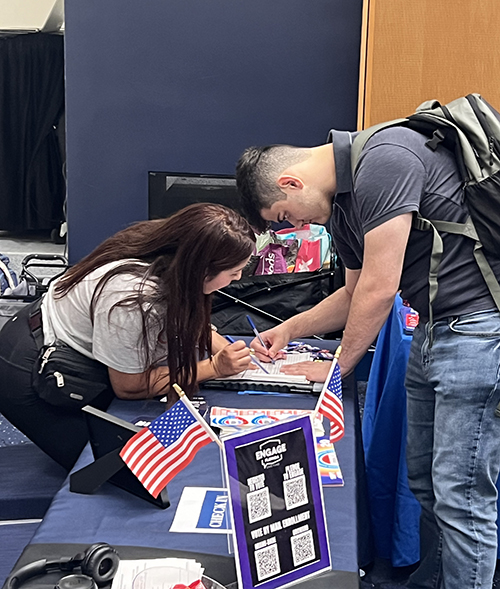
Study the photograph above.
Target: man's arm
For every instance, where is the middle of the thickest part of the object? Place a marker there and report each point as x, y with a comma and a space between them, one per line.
328, 315
376, 288
372, 298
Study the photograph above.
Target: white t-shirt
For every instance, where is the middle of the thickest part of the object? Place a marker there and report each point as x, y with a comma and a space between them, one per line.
115, 338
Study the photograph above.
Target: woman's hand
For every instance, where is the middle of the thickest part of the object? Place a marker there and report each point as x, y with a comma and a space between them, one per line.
232, 359
315, 371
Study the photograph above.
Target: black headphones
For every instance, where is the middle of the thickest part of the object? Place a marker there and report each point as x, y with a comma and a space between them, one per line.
98, 565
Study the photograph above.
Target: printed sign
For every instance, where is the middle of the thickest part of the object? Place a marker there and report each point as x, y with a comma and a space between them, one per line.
234, 420
329, 469
202, 510
213, 513
276, 505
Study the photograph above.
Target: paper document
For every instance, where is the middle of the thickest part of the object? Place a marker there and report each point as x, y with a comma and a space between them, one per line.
274, 371
202, 510
160, 573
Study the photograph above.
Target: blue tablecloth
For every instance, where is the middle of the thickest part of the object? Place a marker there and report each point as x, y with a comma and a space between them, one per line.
113, 515
394, 510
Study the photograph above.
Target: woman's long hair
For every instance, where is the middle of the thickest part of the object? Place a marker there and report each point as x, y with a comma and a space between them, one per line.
181, 251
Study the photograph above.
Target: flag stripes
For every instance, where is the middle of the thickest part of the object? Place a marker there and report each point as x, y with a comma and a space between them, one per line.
330, 403
157, 453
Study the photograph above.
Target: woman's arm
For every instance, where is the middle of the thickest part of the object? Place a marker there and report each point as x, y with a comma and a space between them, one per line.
229, 359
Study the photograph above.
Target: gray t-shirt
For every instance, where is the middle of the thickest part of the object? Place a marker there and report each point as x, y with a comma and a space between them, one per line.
398, 174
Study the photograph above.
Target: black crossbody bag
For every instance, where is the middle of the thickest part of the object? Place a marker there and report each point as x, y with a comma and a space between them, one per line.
62, 376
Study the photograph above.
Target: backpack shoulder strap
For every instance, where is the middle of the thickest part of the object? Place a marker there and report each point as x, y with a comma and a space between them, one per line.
436, 253
363, 136
466, 229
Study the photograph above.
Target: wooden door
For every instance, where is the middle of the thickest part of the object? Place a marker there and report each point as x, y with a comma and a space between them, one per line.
418, 50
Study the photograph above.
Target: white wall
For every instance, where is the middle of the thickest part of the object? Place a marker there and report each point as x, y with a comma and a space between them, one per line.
26, 14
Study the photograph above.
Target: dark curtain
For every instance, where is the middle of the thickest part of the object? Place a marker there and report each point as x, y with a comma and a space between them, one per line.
32, 186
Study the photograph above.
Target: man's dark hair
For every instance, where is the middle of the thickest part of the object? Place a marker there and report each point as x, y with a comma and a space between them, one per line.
256, 173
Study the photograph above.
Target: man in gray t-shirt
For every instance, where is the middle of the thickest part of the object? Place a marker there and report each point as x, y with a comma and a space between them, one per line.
412, 179
454, 385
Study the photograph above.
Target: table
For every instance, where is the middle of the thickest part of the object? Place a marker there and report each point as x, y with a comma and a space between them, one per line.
134, 526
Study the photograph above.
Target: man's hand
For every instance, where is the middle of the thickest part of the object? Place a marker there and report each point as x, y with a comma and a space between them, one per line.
315, 371
275, 339
232, 359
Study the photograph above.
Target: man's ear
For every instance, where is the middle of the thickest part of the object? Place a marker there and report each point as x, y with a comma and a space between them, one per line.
287, 182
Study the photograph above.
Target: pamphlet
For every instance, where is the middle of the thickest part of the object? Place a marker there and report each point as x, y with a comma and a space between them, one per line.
328, 464
231, 420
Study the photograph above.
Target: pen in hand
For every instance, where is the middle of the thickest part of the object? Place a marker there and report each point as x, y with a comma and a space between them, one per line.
252, 356
257, 334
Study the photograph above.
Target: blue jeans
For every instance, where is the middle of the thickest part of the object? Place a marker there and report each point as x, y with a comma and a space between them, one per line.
453, 450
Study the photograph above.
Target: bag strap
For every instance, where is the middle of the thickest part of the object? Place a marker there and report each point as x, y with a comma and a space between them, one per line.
361, 139
35, 322
466, 229
436, 255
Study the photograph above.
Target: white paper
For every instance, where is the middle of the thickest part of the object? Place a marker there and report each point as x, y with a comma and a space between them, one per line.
156, 573
274, 371
191, 503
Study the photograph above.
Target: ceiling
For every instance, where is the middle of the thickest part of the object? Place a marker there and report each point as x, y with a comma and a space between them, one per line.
29, 16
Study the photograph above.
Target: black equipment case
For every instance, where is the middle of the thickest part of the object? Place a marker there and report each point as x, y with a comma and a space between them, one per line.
269, 299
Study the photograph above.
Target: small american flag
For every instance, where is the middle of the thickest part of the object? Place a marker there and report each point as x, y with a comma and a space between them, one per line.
161, 450
330, 403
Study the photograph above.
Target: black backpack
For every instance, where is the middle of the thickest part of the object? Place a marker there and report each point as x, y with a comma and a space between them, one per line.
470, 128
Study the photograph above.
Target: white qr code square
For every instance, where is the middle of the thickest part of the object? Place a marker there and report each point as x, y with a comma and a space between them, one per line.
267, 562
295, 492
259, 505
302, 548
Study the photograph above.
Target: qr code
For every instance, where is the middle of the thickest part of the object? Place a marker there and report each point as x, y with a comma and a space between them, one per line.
259, 505
267, 562
295, 492
302, 548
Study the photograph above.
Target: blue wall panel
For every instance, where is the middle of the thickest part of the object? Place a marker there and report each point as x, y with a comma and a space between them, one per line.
186, 85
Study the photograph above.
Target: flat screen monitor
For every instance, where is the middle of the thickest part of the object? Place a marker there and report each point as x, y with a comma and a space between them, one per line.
108, 434
169, 192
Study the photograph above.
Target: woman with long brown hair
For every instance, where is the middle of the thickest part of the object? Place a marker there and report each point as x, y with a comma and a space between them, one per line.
139, 304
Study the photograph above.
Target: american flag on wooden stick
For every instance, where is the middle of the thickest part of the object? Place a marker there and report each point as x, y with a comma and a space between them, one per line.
161, 450
330, 401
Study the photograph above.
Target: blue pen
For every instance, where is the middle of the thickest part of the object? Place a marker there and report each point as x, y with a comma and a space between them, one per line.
254, 359
257, 334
